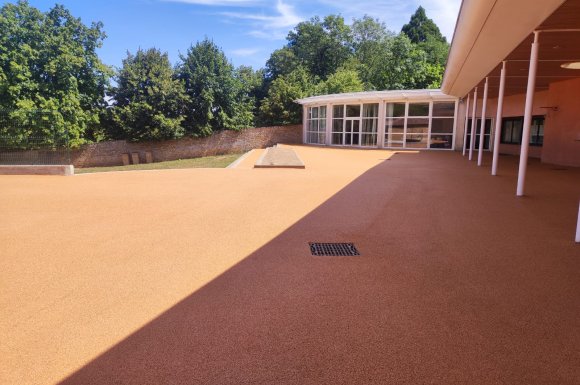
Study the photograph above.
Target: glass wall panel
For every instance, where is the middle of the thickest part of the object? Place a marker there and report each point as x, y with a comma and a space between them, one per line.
417, 125
395, 110
394, 132
353, 110
442, 125
371, 110
486, 135
316, 125
441, 109
338, 111
441, 141
418, 109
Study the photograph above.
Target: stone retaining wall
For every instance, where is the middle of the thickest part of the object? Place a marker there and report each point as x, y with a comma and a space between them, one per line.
110, 153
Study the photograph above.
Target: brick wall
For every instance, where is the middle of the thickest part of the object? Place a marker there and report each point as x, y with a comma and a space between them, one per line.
222, 142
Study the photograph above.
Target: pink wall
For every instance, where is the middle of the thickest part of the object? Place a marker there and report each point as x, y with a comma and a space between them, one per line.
513, 106
562, 131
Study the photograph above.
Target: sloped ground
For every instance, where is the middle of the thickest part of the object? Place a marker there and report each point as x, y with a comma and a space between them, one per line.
205, 276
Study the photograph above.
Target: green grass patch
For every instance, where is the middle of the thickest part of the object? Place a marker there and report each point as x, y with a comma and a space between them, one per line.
220, 161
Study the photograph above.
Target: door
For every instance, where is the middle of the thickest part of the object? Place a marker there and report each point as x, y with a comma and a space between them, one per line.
352, 132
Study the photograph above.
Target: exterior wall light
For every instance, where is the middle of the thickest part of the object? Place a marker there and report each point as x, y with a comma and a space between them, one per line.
571, 66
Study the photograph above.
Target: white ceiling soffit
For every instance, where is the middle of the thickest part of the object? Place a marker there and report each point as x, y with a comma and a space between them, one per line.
486, 32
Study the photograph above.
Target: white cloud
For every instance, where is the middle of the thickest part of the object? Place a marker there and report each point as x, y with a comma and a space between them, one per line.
269, 26
230, 3
245, 51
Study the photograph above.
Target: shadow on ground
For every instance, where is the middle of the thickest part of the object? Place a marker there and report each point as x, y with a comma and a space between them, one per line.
458, 282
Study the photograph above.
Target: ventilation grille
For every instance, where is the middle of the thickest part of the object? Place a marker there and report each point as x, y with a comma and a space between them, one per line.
333, 249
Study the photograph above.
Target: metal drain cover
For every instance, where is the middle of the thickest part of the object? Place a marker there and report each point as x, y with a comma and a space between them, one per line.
333, 249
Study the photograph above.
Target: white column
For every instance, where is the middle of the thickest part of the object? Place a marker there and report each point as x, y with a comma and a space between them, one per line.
381, 126
328, 124
465, 127
528, 116
473, 123
578, 226
482, 128
498, 122
304, 123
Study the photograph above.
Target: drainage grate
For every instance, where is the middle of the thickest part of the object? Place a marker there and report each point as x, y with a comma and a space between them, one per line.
333, 249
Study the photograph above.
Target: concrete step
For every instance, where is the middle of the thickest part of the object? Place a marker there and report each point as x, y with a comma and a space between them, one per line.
279, 157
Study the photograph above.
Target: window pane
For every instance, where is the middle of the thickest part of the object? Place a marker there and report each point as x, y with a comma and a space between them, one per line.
443, 109
442, 125
337, 138
506, 132
337, 125
418, 125
370, 110
395, 138
313, 112
395, 110
353, 110
338, 112
394, 125
416, 141
322, 125
369, 125
418, 109
537, 137
369, 140
517, 131
312, 137
313, 125
441, 141
322, 112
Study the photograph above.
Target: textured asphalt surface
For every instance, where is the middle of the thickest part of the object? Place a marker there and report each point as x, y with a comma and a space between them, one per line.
205, 276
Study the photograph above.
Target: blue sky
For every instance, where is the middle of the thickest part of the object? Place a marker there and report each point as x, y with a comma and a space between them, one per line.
247, 30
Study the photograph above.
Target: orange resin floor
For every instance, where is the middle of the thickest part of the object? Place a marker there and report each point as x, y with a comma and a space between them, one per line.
204, 276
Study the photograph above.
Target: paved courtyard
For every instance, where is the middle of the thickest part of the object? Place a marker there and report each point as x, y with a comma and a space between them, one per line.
204, 276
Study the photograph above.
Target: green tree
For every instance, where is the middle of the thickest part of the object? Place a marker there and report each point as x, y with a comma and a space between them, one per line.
48, 61
403, 66
218, 98
343, 80
281, 62
279, 106
425, 33
149, 101
321, 46
420, 28
254, 85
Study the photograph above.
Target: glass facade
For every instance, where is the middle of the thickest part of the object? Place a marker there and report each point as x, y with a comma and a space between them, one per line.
316, 125
397, 124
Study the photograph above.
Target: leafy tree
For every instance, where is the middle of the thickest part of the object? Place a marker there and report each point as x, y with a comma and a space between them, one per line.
420, 28
279, 106
343, 80
321, 46
425, 33
148, 102
48, 61
282, 61
218, 99
254, 86
403, 66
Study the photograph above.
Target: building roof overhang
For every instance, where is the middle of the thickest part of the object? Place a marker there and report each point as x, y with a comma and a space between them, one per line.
487, 31
374, 96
